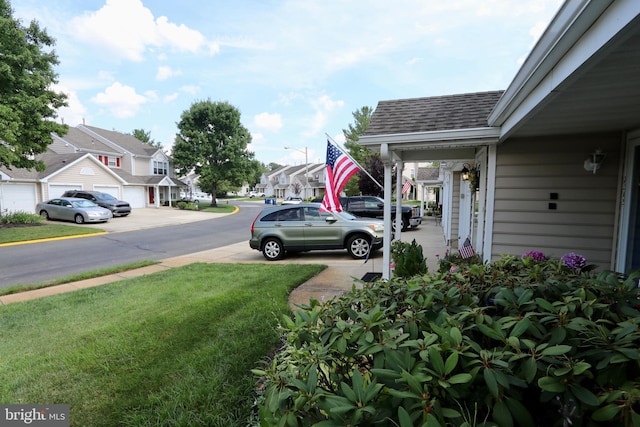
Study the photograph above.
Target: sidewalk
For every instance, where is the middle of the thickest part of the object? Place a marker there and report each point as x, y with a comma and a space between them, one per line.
338, 278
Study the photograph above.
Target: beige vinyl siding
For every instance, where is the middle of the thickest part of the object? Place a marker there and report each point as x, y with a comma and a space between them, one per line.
530, 169
144, 166
86, 173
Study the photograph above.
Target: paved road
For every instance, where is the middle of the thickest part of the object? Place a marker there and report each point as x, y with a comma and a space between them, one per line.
125, 243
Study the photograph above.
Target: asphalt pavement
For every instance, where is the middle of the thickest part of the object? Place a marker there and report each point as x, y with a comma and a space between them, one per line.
342, 272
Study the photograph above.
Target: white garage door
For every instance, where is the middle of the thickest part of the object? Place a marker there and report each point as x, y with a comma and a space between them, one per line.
56, 190
135, 196
18, 197
114, 191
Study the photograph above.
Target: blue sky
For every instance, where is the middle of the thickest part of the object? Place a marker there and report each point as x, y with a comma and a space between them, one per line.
296, 69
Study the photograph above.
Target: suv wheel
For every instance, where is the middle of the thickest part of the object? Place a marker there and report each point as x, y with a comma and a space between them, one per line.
358, 246
404, 224
272, 249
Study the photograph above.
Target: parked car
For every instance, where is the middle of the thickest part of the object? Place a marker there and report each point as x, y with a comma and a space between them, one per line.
73, 209
373, 207
303, 227
292, 200
253, 194
106, 200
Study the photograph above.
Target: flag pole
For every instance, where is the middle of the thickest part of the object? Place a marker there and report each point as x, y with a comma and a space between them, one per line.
354, 161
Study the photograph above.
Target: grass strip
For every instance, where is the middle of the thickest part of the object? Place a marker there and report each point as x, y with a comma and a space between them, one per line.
171, 348
77, 277
42, 231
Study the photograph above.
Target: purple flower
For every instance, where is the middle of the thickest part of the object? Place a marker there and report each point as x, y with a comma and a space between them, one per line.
573, 260
453, 269
535, 255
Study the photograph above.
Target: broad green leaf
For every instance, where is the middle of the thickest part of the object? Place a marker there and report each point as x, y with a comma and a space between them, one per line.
451, 363
554, 385
584, 395
450, 413
529, 369
404, 418
456, 336
436, 360
556, 350
460, 378
521, 327
502, 415
606, 413
490, 380
520, 413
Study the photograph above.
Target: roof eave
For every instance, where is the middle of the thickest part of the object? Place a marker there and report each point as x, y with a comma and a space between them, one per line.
442, 139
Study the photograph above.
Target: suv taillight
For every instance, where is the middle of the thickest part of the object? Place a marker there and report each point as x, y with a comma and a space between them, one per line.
254, 223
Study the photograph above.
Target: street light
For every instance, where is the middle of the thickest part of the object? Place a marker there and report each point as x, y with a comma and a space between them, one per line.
306, 167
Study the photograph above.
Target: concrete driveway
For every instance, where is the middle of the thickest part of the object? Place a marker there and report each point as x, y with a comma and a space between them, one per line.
153, 217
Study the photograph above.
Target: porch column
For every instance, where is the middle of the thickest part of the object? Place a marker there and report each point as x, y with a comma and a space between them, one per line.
399, 167
386, 248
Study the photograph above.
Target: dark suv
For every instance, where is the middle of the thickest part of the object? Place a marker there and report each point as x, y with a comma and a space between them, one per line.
117, 207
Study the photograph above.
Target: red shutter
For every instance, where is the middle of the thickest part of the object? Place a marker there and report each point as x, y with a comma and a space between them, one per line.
106, 160
118, 162
100, 158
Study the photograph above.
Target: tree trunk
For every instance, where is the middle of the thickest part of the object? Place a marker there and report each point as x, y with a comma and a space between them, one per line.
214, 196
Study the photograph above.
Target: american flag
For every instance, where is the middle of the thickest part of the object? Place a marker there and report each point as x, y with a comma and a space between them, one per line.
338, 170
466, 251
406, 187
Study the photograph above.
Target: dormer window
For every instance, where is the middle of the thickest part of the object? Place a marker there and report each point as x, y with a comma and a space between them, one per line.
160, 167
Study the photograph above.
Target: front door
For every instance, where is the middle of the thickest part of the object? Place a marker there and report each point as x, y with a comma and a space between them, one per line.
152, 196
629, 248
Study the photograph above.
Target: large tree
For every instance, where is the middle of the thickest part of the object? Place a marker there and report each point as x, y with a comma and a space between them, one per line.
27, 100
145, 136
360, 183
212, 142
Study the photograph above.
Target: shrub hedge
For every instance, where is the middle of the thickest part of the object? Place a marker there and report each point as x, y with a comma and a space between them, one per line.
519, 342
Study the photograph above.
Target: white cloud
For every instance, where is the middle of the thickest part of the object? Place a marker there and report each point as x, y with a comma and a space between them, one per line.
170, 98
127, 29
122, 101
191, 89
165, 72
270, 122
323, 107
75, 112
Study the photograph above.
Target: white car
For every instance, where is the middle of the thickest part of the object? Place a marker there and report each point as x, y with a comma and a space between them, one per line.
292, 201
253, 194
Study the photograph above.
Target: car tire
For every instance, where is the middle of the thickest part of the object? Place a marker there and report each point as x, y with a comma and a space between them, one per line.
272, 249
404, 224
359, 246
44, 214
79, 219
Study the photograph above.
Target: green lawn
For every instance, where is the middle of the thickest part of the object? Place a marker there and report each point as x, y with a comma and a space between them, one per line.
42, 231
172, 348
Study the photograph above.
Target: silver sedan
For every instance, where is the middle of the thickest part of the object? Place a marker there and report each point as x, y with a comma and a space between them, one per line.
73, 209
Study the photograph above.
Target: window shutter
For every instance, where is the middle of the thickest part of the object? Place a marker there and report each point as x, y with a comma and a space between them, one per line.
118, 161
106, 160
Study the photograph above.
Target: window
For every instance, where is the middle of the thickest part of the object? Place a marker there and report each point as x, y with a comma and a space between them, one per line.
160, 167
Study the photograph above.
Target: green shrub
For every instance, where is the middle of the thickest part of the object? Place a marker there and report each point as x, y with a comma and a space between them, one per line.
452, 261
519, 342
408, 258
187, 206
20, 217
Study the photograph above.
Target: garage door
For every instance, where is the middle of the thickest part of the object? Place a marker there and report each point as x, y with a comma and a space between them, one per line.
56, 190
114, 191
18, 197
135, 196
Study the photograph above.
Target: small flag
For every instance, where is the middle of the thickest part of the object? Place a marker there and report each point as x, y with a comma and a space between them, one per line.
339, 169
466, 251
406, 187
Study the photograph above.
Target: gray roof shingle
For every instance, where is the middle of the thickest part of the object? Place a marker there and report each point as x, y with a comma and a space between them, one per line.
448, 112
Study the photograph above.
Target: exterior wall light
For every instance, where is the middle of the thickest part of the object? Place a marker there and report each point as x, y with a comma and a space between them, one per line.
594, 161
465, 172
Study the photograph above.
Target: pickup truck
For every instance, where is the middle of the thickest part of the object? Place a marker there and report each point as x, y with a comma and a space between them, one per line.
373, 207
